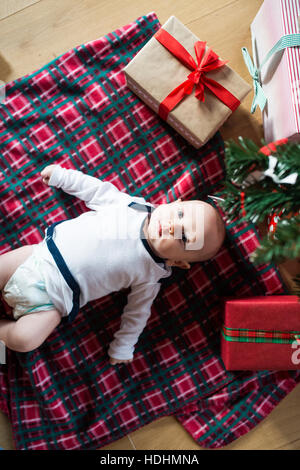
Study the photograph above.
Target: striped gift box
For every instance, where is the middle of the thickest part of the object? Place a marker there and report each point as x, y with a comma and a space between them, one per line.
280, 76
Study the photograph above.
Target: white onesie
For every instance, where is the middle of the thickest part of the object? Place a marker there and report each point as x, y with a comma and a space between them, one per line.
105, 252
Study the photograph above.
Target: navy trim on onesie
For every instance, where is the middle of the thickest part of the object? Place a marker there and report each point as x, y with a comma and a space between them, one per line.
145, 208
141, 207
62, 266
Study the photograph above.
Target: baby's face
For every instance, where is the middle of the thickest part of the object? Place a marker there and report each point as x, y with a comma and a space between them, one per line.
176, 229
181, 231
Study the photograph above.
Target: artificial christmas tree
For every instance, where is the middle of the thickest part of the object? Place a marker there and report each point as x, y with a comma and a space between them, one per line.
264, 184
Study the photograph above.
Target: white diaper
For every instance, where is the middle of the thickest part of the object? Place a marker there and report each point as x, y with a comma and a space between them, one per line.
25, 291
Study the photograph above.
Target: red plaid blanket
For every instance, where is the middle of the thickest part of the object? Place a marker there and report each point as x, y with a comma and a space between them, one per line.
78, 111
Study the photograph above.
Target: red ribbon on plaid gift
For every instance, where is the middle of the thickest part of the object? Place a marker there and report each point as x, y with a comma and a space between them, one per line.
207, 60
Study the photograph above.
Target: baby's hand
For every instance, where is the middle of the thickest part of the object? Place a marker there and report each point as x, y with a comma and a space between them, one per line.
47, 172
114, 361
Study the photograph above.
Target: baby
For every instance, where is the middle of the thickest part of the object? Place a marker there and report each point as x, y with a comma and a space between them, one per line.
121, 242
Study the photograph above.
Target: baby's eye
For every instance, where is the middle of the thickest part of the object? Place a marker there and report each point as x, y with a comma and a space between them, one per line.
180, 213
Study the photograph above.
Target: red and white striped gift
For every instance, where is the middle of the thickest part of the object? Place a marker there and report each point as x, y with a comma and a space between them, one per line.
280, 76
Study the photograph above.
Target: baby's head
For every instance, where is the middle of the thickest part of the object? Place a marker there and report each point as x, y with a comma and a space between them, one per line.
183, 232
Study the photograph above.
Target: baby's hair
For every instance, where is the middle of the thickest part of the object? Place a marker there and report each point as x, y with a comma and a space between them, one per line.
202, 255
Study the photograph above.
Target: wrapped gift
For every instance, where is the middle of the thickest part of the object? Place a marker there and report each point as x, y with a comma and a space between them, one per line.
261, 333
276, 60
185, 82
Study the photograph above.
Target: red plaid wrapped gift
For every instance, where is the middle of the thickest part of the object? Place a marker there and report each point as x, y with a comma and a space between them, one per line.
262, 333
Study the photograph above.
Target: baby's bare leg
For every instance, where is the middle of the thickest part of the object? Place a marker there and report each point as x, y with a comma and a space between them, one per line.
29, 331
11, 260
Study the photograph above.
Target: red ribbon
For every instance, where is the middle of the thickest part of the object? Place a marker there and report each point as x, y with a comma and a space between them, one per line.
207, 60
272, 222
269, 148
243, 204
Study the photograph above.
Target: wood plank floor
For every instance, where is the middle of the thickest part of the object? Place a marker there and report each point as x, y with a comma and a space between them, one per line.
10, 7
33, 32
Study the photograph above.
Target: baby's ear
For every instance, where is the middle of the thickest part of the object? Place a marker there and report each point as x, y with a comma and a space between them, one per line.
178, 264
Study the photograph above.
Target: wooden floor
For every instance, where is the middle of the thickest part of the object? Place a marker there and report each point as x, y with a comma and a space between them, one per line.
33, 32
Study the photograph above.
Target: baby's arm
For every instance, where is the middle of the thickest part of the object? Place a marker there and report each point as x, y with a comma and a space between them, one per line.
134, 319
89, 189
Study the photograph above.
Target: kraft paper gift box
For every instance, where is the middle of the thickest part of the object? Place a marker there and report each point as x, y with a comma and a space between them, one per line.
261, 333
154, 72
280, 75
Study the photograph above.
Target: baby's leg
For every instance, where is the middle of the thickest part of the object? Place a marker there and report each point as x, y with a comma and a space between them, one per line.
10, 261
29, 331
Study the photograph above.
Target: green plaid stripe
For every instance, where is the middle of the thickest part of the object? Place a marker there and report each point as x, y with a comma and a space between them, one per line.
244, 335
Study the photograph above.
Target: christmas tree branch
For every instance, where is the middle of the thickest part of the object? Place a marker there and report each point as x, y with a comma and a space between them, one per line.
258, 186
283, 244
246, 157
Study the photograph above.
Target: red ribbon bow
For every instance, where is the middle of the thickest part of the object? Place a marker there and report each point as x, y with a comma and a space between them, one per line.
207, 60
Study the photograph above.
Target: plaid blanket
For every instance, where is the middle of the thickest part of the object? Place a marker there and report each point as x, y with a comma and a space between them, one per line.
78, 111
